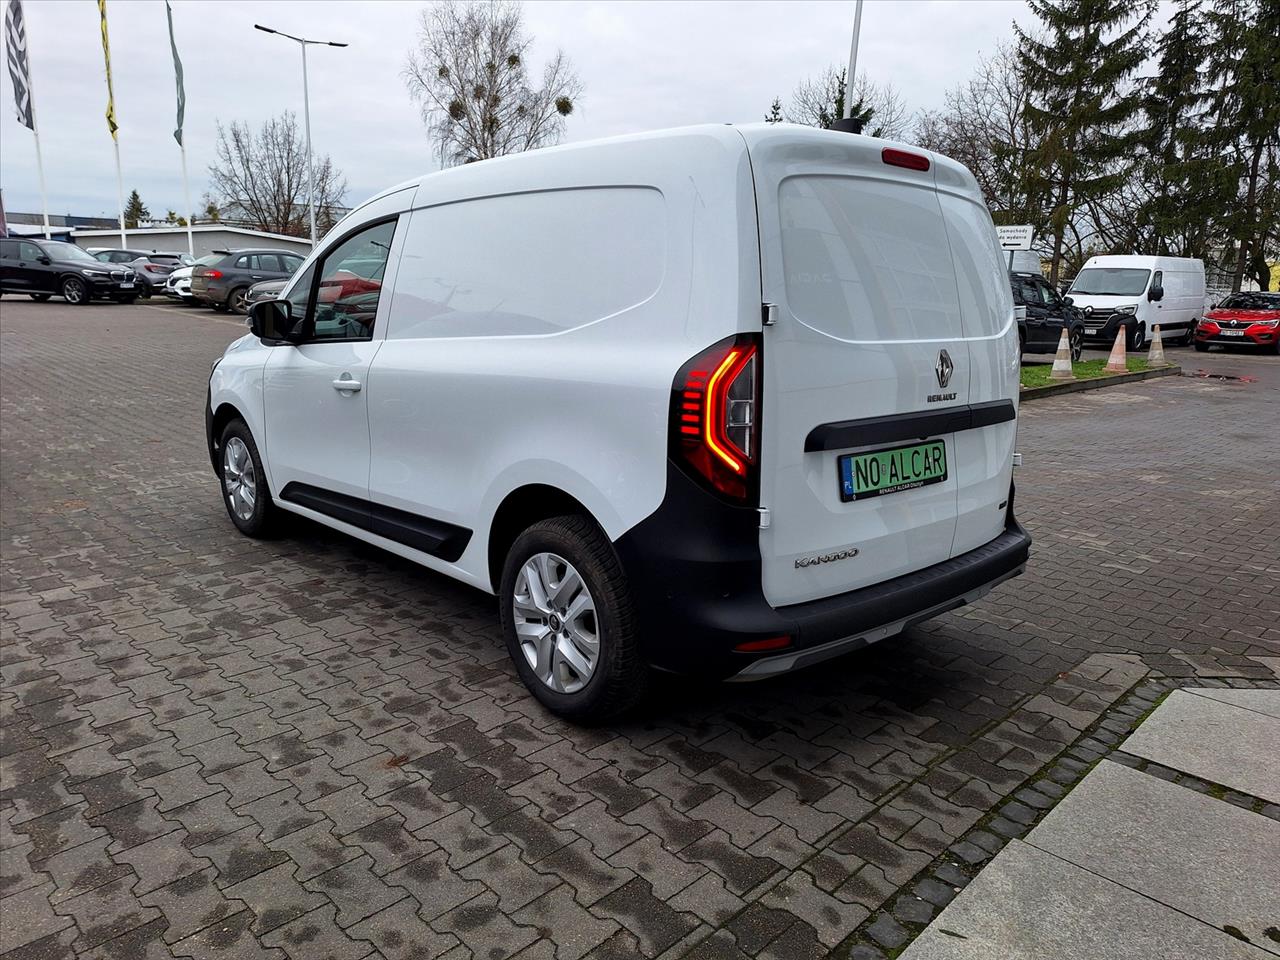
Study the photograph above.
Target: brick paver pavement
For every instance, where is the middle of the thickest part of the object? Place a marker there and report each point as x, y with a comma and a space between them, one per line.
307, 748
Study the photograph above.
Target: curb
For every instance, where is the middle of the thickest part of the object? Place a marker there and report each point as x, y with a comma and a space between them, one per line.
1096, 383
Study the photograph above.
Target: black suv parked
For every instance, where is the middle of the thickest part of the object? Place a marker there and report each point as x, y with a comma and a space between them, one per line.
1047, 313
224, 284
152, 268
41, 268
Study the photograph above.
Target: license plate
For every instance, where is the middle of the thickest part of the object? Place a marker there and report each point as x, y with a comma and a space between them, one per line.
126, 285
892, 470
1233, 333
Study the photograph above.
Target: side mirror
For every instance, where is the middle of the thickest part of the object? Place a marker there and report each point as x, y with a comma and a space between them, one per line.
1069, 301
45, 260
1156, 294
271, 320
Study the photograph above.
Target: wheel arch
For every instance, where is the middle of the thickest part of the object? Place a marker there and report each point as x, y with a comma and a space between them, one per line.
519, 510
222, 415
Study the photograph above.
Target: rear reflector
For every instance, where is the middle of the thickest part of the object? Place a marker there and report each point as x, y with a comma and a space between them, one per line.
900, 158
755, 646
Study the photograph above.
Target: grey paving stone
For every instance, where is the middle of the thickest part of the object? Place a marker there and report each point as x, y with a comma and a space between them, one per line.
1029, 905
1259, 701
1213, 740
1206, 858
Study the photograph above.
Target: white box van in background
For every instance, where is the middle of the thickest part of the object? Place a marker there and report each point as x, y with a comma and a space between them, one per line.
1137, 293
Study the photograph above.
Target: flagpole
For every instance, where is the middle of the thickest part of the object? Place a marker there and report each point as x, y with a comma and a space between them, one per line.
124, 236
186, 198
35, 129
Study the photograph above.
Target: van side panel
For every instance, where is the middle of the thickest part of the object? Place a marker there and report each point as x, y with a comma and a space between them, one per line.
582, 284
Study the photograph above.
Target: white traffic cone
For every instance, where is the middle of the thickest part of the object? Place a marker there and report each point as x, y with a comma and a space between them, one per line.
1062, 362
1116, 362
1155, 356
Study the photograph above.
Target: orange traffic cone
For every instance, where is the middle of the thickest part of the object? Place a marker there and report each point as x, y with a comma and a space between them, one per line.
1116, 362
1155, 356
1062, 362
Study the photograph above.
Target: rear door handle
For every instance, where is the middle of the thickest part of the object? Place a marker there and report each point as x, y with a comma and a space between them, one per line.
346, 383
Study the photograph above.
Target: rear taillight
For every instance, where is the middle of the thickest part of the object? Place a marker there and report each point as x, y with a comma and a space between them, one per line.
154, 268
715, 403
212, 274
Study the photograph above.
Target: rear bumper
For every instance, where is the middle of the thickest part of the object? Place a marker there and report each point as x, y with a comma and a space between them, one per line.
695, 571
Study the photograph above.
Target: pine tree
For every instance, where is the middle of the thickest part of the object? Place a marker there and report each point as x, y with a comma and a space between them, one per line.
1244, 71
775, 112
1190, 185
135, 210
1080, 106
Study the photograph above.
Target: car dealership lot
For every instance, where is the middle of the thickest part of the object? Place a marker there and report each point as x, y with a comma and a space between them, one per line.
309, 747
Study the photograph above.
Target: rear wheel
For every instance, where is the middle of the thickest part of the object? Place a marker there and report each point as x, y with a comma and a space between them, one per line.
569, 620
1137, 336
40, 297
244, 482
75, 291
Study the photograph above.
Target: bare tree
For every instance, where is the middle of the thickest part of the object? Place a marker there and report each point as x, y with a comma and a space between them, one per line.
261, 179
819, 102
469, 75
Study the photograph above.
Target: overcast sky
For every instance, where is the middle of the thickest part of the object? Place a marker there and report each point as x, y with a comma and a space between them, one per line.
644, 65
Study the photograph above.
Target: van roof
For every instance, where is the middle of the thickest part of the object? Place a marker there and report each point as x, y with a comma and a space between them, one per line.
683, 141
1144, 262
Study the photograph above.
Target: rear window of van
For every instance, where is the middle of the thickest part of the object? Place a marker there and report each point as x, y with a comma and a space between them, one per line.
529, 263
867, 260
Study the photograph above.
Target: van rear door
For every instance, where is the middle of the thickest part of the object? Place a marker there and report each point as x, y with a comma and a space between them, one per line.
870, 355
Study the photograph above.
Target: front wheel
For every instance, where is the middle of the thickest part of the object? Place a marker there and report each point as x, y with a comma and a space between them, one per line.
569, 621
40, 297
1137, 336
1076, 341
1201, 346
244, 482
75, 291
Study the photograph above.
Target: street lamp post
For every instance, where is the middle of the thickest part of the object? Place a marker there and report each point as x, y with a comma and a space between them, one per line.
306, 114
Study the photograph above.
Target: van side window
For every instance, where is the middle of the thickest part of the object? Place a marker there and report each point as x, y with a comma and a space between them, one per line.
346, 298
529, 263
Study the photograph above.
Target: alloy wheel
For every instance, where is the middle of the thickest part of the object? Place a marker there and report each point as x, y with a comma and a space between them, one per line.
240, 301
556, 622
1076, 341
73, 290
239, 479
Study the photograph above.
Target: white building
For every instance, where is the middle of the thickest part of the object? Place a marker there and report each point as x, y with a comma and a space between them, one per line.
207, 238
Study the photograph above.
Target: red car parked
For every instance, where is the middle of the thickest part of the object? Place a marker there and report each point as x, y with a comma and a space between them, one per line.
1248, 319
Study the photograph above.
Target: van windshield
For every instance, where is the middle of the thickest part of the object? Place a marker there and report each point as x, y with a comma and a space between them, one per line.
1115, 281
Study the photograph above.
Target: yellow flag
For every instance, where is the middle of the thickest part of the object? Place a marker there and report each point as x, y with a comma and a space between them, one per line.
106, 56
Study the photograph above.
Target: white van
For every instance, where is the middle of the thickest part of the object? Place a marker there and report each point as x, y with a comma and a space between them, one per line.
724, 401
1137, 293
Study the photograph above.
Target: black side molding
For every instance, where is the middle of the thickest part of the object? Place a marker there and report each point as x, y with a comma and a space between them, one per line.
907, 426
440, 539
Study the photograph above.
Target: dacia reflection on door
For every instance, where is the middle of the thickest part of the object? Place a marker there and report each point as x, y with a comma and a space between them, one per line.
317, 422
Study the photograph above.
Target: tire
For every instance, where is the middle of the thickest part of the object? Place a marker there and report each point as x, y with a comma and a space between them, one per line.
1136, 337
125, 300
1022, 343
237, 300
238, 458
1200, 347
218, 307
618, 678
40, 297
1075, 339
75, 291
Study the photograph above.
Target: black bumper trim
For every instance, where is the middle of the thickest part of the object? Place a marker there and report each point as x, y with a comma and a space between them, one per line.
843, 434
695, 566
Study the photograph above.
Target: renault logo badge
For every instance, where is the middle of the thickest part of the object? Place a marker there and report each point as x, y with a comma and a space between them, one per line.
944, 368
